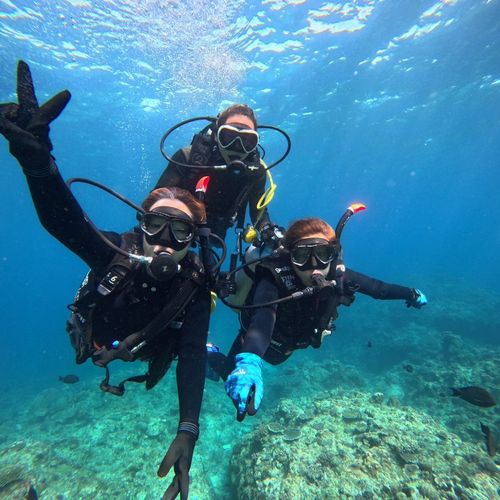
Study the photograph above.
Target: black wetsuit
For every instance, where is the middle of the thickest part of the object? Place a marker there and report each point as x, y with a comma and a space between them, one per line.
274, 332
61, 215
224, 190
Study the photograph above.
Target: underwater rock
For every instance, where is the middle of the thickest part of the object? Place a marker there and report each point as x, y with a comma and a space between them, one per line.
319, 426
305, 416
274, 427
287, 410
394, 402
291, 434
377, 398
351, 415
155, 428
324, 406
452, 346
397, 455
9, 475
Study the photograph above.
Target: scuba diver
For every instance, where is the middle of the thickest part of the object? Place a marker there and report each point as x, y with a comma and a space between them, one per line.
228, 149
145, 296
292, 305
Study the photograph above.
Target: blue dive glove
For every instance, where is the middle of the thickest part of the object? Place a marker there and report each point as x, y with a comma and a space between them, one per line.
418, 299
244, 385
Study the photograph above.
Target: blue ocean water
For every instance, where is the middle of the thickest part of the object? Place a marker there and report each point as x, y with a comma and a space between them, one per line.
393, 103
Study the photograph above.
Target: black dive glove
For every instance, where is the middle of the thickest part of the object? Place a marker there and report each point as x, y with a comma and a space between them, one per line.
26, 125
180, 455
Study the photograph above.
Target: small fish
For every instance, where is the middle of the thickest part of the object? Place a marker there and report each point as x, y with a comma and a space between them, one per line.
369, 344
491, 445
32, 494
408, 368
69, 379
474, 395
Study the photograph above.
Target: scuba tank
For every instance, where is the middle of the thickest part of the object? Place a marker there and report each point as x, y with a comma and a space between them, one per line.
258, 250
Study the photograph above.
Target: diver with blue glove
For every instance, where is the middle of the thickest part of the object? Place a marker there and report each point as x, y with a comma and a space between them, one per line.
244, 385
293, 304
417, 300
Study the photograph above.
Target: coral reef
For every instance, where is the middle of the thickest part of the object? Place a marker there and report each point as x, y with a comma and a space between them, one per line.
315, 436
352, 447
76, 442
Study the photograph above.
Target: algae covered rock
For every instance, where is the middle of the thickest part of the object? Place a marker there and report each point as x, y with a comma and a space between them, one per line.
396, 453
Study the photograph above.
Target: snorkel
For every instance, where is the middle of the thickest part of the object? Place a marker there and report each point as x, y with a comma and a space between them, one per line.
351, 210
340, 266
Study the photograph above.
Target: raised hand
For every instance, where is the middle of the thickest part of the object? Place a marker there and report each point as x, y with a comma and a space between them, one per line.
26, 124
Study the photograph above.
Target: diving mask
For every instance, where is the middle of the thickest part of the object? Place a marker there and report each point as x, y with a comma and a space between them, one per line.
237, 139
168, 226
313, 253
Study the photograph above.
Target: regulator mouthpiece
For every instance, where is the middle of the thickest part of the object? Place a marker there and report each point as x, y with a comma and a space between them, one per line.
163, 267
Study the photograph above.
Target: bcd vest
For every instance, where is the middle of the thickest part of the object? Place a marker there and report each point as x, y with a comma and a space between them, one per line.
114, 285
204, 151
304, 322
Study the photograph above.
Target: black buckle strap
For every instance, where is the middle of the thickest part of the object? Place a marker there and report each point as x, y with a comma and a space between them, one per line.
119, 390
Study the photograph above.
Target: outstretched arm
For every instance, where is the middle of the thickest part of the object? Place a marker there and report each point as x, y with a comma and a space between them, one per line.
258, 336
244, 385
26, 126
384, 291
376, 288
62, 216
192, 357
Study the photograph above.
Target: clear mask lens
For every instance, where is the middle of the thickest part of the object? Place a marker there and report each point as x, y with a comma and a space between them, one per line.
300, 254
229, 136
153, 224
181, 230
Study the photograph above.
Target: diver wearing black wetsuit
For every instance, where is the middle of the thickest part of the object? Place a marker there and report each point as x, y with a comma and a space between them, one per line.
145, 296
141, 300
225, 190
275, 331
230, 191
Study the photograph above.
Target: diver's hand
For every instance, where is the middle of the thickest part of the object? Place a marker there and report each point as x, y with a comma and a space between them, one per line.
26, 125
244, 385
179, 455
418, 300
